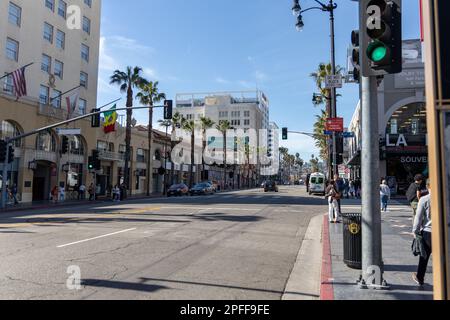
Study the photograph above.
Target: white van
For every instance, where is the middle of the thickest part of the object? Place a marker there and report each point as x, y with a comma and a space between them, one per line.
317, 184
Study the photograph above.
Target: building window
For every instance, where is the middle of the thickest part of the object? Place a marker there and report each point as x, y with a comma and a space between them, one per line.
82, 106
43, 94
246, 122
60, 39
10, 130
46, 63
59, 69
140, 156
102, 145
86, 25
235, 122
235, 114
223, 114
12, 49
247, 114
85, 52
122, 149
46, 142
76, 145
15, 14
48, 32
88, 3
83, 79
50, 4
8, 86
62, 8
56, 99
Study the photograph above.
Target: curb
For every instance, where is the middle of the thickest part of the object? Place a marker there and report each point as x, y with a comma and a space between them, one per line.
326, 284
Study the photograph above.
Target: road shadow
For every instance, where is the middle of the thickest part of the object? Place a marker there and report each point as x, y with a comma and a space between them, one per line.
118, 285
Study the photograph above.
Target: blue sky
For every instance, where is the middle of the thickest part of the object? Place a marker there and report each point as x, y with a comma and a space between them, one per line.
230, 45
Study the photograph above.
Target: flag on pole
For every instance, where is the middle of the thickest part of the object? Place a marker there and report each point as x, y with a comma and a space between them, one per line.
20, 84
110, 120
72, 103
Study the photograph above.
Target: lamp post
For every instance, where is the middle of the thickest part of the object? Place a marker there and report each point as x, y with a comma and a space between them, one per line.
330, 7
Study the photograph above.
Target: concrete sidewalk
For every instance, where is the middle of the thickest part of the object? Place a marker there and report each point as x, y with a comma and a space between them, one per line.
398, 260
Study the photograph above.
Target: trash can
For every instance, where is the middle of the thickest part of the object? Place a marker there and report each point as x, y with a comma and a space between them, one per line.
352, 240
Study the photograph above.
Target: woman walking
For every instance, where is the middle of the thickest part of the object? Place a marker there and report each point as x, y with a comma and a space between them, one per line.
333, 196
385, 194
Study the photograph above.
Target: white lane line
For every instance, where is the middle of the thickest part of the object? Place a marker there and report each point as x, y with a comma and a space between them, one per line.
96, 238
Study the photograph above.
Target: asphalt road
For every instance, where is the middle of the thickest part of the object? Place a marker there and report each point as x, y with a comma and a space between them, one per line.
238, 245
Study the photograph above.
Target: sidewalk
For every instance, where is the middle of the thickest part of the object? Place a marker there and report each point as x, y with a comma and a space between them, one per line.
339, 281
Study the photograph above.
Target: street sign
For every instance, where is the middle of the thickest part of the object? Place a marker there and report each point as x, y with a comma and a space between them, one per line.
333, 81
348, 135
328, 133
335, 125
68, 132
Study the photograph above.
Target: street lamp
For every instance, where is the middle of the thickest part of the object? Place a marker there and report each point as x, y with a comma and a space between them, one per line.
296, 8
330, 7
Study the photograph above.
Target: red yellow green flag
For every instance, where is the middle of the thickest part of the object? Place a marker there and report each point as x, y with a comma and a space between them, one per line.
110, 120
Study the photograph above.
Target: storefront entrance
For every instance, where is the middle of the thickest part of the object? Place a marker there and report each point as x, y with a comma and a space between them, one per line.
42, 180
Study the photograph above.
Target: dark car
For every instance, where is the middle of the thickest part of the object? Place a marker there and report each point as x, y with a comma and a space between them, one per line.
202, 189
178, 190
271, 186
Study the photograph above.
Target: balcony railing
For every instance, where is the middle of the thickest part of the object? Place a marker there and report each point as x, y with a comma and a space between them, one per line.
56, 113
111, 156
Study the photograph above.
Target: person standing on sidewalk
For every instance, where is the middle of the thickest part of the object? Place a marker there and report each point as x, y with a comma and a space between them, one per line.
54, 194
333, 195
385, 194
416, 190
340, 188
14, 194
422, 232
91, 192
82, 192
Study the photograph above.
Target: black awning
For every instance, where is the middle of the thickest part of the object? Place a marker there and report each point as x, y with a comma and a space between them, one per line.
355, 160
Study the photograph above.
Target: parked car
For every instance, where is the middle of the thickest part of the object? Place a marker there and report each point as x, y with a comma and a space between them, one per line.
202, 189
271, 186
263, 185
178, 190
214, 185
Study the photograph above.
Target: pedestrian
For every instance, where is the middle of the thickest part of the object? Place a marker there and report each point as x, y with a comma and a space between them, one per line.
333, 195
422, 232
122, 192
91, 192
116, 193
54, 194
14, 194
339, 184
82, 192
351, 189
62, 193
416, 190
385, 195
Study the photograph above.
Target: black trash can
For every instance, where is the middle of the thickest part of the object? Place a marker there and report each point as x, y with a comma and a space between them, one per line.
352, 240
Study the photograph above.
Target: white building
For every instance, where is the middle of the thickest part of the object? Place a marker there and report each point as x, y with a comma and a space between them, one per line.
243, 109
38, 31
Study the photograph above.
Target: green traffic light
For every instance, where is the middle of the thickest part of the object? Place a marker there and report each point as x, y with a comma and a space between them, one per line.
377, 51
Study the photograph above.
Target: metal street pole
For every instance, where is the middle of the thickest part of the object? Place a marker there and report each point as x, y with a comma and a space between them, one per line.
5, 178
333, 90
371, 218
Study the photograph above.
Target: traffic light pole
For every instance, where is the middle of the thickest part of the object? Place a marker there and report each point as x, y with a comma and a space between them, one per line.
372, 261
333, 90
5, 178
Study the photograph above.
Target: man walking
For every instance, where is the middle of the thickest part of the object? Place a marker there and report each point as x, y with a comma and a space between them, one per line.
385, 194
422, 232
82, 192
416, 190
14, 194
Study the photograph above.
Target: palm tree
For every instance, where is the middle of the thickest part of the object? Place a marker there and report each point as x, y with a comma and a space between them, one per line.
127, 81
205, 123
190, 126
321, 139
176, 123
223, 127
148, 95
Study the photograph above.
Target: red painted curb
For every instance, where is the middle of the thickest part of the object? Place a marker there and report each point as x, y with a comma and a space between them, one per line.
326, 284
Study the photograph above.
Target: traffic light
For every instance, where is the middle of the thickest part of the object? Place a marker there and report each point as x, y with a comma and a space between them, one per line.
65, 145
285, 133
168, 109
381, 46
356, 57
96, 160
3, 150
11, 156
95, 121
91, 163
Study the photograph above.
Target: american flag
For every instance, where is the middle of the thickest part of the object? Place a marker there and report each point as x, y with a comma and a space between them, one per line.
20, 84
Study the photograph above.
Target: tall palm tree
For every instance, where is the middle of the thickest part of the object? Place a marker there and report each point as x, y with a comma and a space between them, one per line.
127, 81
176, 123
148, 95
205, 123
190, 126
223, 127
321, 139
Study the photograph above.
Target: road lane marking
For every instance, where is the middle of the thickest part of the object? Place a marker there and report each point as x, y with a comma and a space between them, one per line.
96, 238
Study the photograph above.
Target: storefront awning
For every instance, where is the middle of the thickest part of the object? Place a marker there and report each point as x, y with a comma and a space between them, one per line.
355, 160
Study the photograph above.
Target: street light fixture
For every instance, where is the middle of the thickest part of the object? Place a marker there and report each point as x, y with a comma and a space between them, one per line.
296, 8
300, 23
